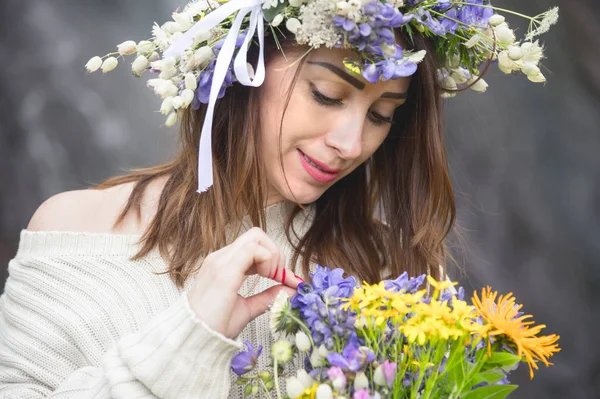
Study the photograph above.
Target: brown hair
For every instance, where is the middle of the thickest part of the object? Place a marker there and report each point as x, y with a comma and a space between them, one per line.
406, 184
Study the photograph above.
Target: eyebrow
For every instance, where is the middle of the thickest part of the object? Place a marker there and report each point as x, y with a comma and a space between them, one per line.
355, 82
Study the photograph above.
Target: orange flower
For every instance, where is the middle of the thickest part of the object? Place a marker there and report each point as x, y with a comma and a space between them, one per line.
502, 316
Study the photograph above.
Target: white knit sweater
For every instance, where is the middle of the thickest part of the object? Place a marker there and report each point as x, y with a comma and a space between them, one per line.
78, 319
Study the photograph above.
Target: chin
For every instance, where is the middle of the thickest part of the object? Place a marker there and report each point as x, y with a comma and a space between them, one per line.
304, 193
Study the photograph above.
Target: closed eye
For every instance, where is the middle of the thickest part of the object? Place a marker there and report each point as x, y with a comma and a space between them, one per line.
322, 99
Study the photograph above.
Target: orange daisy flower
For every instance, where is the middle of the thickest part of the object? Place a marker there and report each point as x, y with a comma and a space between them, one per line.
502, 315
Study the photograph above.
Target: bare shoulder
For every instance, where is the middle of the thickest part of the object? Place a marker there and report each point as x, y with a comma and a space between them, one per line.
94, 211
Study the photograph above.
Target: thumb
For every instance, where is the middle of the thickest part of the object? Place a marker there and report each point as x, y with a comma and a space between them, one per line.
259, 303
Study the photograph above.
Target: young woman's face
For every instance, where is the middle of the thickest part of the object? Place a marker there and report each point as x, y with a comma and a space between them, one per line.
334, 122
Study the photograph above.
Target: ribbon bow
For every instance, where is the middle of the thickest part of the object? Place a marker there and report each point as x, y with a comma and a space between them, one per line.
240, 67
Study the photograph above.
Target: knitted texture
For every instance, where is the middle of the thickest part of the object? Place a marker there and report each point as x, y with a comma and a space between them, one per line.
79, 319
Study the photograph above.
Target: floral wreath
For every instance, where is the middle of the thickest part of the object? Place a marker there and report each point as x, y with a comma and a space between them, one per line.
203, 50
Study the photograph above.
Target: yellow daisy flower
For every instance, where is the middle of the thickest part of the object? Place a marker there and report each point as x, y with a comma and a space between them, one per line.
502, 316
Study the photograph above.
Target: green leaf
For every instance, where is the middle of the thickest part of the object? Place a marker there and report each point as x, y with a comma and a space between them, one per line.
491, 392
489, 376
503, 360
272, 12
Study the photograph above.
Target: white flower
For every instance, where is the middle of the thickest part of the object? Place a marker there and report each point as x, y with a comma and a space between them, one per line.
280, 302
139, 65
539, 78
460, 75
293, 25
416, 57
515, 53
505, 64
187, 96
360, 381
168, 73
481, 85
200, 57
127, 48
183, 19
109, 64
171, 27
305, 378
379, 377
496, 20
191, 82
201, 36
504, 34
171, 120
154, 57
164, 64
296, 3
294, 388
316, 29
94, 64
281, 352
532, 52
302, 341
472, 42
277, 20
316, 360
166, 106
164, 88
530, 69
342, 8
448, 83
177, 102
161, 39
549, 18
324, 392
145, 47
453, 61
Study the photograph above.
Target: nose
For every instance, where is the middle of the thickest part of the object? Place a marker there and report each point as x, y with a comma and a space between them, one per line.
346, 136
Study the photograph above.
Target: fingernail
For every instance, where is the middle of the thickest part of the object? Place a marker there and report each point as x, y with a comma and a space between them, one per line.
283, 276
275, 274
299, 278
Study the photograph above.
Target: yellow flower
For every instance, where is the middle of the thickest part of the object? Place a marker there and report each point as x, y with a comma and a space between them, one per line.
439, 285
502, 316
310, 393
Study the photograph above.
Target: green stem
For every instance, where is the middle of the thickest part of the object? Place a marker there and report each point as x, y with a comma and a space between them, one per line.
303, 326
276, 380
264, 387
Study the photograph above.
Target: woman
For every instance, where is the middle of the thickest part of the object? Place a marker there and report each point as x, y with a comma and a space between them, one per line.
142, 287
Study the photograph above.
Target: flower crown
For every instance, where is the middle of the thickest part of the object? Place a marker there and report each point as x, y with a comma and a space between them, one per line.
203, 50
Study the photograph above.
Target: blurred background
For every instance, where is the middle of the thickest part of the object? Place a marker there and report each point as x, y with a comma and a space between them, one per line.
525, 158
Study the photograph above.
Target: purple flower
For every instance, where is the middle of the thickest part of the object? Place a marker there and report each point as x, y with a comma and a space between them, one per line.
318, 304
389, 372
244, 362
353, 357
403, 283
475, 14
337, 377
364, 394
424, 17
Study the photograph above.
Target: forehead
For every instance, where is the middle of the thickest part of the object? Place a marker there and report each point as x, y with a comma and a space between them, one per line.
336, 57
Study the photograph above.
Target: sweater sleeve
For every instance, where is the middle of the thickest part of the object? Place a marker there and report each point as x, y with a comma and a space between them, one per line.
174, 356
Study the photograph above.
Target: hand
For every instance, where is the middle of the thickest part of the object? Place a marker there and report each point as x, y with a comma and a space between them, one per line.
214, 296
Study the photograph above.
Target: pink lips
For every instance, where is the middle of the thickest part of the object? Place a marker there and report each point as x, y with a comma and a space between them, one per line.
322, 173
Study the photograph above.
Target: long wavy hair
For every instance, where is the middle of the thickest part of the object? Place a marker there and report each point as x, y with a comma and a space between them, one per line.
392, 213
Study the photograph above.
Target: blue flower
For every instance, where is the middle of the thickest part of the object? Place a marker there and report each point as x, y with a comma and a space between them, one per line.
353, 357
424, 17
244, 362
318, 304
475, 14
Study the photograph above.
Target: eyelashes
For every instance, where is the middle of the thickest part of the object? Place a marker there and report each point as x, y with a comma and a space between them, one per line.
325, 101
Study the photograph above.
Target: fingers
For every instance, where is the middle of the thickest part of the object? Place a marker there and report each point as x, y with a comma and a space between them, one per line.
259, 303
273, 267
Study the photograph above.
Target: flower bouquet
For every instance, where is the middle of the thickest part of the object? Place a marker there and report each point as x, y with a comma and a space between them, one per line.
394, 339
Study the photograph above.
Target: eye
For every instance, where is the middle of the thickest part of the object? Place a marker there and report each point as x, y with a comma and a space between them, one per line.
323, 99
378, 119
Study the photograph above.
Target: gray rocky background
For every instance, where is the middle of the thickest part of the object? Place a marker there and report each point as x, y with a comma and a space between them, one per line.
524, 157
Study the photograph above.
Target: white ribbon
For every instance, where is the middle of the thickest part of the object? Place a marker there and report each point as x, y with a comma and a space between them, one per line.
240, 67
